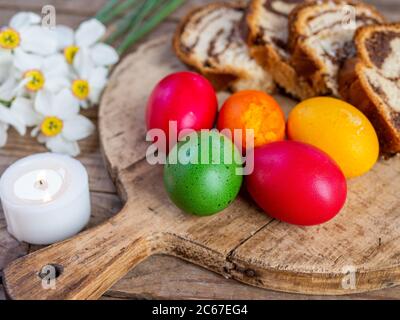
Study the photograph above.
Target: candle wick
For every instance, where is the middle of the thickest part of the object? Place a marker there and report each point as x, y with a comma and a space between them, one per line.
41, 184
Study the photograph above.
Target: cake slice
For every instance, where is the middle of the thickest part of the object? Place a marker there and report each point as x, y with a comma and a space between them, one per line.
209, 40
321, 38
371, 81
267, 37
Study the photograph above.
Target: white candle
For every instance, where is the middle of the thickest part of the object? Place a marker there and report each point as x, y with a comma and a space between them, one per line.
45, 198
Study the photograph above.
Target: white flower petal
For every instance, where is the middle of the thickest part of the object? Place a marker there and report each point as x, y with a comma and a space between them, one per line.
65, 37
65, 105
8, 89
26, 61
55, 65
6, 57
60, 145
83, 63
24, 19
103, 55
35, 132
77, 128
8, 117
95, 94
3, 134
38, 40
21, 90
42, 138
4, 70
22, 108
6, 63
56, 84
89, 32
98, 77
97, 81
44, 103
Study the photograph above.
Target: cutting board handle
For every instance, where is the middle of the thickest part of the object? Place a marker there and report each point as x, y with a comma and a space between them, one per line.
85, 266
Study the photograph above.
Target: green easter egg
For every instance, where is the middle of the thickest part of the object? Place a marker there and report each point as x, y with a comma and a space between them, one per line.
203, 173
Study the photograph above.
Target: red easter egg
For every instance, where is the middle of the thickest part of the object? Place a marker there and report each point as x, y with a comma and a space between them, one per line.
297, 183
185, 97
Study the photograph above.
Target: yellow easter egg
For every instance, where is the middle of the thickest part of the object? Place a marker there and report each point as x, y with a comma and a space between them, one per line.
339, 129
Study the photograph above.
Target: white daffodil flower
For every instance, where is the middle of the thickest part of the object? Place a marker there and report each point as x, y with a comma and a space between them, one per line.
24, 33
85, 41
36, 75
61, 125
90, 82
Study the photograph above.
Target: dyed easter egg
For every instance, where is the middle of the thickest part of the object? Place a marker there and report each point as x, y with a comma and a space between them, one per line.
186, 98
296, 183
203, 173
255, 110
339, 129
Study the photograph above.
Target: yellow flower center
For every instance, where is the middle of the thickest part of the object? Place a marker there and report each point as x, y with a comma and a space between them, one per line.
9, 39
70, 52
51, 126
35, 80
80, 88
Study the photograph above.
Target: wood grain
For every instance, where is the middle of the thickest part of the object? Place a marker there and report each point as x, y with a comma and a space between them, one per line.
183, 280
189, 278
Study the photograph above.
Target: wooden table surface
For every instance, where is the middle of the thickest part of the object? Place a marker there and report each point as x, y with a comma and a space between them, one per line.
159, 277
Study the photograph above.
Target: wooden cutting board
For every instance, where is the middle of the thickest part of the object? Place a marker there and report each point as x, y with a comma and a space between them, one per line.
358, 251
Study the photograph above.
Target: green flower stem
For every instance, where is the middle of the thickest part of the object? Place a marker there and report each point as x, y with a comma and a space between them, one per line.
137, 33
103, 12
120, 9
129, 20
132, 23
